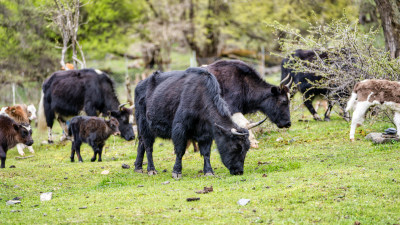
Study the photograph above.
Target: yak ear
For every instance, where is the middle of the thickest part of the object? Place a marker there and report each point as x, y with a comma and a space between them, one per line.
16, 127
275, 90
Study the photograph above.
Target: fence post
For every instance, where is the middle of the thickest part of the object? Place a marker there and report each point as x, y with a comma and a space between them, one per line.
13, 91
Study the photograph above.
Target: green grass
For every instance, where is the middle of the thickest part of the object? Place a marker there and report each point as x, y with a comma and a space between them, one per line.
314, 175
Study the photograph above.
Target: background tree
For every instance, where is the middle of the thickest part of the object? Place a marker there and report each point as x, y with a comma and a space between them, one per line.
389, 11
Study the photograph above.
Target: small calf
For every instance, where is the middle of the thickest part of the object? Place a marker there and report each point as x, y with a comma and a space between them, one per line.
368, 93
12, 133
93, 131
21, 114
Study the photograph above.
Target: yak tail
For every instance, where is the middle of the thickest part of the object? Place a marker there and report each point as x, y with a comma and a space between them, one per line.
42, 124
351, 102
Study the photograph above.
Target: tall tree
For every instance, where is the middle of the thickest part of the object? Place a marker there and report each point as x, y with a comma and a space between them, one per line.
389, 11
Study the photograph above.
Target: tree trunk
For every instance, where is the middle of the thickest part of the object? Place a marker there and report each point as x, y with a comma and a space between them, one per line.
389, 11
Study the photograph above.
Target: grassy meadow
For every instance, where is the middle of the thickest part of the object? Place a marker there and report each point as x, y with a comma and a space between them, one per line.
314, 174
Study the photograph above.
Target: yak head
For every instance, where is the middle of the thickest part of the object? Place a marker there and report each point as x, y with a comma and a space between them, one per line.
24, 133
113, 124
124, 117
233, 144
276, 106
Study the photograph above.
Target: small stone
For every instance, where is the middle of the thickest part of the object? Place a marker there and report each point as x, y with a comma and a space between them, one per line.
113, 159
102, 167
13, 202
17, 198
279, 139
65, 178
165, 170
243, 180
16, 186
13, 211
267, 187
12, 166
391, 169
46, 196
292, 140
166, 182
125, 166
140, 185
264, 175
243, 201
105, 172
280, 209
357, 223
83, 207
44, 214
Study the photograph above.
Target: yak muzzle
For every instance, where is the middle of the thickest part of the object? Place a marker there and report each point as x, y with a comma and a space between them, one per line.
29, 143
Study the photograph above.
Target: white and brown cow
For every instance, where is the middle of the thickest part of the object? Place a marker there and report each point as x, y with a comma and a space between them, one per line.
368, 93
21, 114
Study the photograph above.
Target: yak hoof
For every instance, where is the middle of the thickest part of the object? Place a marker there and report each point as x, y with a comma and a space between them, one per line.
327, 119
138, 170
209, 174
352, 139
176, 175
22, 153
72, 160
151, 172
316, 117
93, 159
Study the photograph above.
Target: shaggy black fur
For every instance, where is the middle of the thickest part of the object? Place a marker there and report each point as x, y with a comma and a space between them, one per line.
183, 105
92, 130
69, 92
304, 82
245, 91
11, 134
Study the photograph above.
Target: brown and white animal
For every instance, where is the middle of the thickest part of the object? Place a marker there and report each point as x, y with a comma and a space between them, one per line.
368, 93
22, 114
92, 130
12, 133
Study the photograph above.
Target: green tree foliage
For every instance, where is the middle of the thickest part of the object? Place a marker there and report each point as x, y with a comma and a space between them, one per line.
27, 51
107, 26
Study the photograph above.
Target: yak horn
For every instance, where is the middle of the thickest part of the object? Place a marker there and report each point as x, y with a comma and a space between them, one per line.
120, 106
283, 81
235, 132
252, 125
290, 82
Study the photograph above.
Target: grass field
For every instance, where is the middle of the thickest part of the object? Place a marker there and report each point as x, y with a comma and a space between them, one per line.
313, 175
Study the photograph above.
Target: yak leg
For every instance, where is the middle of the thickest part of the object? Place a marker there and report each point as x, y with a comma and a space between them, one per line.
30, 148
99, 151
308, 103
77, 148
20, 148
397, 121
346, 115
180, 140
358, 117
139, 157
241, 121
205, 151
328, 111
148, 144
49, 135
2, 157
64, 128
72, 157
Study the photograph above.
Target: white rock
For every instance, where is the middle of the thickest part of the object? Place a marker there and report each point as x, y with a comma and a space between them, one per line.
243, 201
279, 139
46, 196
13, 202
105, 172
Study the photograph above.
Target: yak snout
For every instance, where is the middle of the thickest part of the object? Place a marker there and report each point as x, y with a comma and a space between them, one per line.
237, 172
284, 125
29, 142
